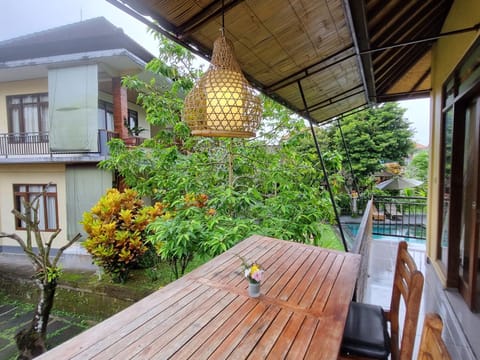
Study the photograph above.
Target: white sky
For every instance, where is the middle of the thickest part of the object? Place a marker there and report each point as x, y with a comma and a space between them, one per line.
21, 17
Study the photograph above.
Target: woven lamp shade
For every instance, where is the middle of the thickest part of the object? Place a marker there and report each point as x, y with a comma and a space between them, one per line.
222, 103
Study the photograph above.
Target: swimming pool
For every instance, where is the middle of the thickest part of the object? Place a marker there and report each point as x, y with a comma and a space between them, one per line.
411, 233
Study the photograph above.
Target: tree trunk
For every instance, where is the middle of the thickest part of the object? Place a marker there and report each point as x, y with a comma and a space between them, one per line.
31, 341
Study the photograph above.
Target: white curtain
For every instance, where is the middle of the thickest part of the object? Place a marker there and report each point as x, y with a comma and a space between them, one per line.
47, 208
15, 114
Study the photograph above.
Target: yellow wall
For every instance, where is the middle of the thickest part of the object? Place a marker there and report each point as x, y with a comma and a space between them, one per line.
31, 174
447, 53
18, 88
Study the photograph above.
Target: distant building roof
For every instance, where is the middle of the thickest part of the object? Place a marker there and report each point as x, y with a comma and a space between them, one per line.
419, 146
85, 36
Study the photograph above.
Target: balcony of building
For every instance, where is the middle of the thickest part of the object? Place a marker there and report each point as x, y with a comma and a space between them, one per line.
35, 147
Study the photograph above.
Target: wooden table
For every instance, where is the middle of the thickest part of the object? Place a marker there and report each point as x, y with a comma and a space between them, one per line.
208, 313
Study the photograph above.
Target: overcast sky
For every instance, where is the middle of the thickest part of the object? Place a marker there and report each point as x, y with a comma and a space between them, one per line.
21, 17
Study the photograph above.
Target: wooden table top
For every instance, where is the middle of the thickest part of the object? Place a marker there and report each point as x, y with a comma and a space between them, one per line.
300, 313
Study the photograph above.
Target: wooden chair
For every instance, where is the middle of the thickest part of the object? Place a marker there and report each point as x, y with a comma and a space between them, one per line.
432, 346
366, 334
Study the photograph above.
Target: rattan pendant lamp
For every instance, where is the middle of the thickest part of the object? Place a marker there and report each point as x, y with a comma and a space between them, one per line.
223, 103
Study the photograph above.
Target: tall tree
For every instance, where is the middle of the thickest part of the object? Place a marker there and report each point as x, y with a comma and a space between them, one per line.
374, 136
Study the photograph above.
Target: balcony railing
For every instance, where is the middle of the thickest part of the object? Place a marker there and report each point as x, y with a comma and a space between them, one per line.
400, 216
24, 144
37, 144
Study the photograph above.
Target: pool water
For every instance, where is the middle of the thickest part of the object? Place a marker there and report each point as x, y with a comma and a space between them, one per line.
409, 233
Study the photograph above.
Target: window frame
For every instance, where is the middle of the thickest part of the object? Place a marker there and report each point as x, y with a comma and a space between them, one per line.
458, 90
18, 195
132, 119
40, 104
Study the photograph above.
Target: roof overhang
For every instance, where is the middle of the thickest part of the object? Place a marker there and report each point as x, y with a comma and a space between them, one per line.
112, 63
319, 58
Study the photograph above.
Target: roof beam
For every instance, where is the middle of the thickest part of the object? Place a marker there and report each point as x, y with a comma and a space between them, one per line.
356, 16
306, 72
212, 11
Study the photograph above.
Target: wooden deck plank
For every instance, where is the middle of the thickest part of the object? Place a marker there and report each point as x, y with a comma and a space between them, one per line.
149, 324
141, 321
307, 280
278, 268
300, 313
303, 338
325, 290
286, 338
295, 282
232, 271
160, 327
205, 310
268, 339
229, 323
194, 343
318, 279
87, 339
255, 334
289, 270
240, 330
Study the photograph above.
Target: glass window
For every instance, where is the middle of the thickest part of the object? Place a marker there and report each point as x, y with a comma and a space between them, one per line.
445, 191
27, 113
132, 119
47, 204
105, 116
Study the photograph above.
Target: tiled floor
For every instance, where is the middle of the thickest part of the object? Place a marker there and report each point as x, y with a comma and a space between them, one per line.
461, 326
383, 254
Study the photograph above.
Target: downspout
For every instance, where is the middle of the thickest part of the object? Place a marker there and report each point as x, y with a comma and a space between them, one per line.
319, 153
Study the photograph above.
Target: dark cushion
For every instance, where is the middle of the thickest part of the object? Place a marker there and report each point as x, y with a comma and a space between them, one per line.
366, 332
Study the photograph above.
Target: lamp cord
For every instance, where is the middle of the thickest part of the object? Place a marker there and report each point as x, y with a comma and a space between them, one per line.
222, 30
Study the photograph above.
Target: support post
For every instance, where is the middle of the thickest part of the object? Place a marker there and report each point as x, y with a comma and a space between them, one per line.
319, 153
354, 178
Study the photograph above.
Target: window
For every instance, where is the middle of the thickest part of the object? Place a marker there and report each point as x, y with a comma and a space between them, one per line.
27, 113
47, 205
459, 178
132, 119
105, 116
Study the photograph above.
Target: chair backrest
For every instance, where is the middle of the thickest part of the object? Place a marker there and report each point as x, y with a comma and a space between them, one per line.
432, 346
407, 284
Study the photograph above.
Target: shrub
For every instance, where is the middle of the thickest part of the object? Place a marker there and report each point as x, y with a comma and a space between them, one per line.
189, 228
116, 228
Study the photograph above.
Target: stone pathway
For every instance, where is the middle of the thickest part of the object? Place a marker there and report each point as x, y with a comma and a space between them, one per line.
14, 318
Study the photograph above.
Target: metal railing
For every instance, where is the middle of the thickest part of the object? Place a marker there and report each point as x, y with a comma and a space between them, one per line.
400, 216
34, 144
24, 144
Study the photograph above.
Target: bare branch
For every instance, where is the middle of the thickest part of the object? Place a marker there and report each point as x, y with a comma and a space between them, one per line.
64, 247
33, 257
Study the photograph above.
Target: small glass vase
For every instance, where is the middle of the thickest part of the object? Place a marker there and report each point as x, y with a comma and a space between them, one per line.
254, 289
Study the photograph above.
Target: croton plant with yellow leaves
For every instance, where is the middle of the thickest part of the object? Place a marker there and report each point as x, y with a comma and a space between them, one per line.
116, 227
